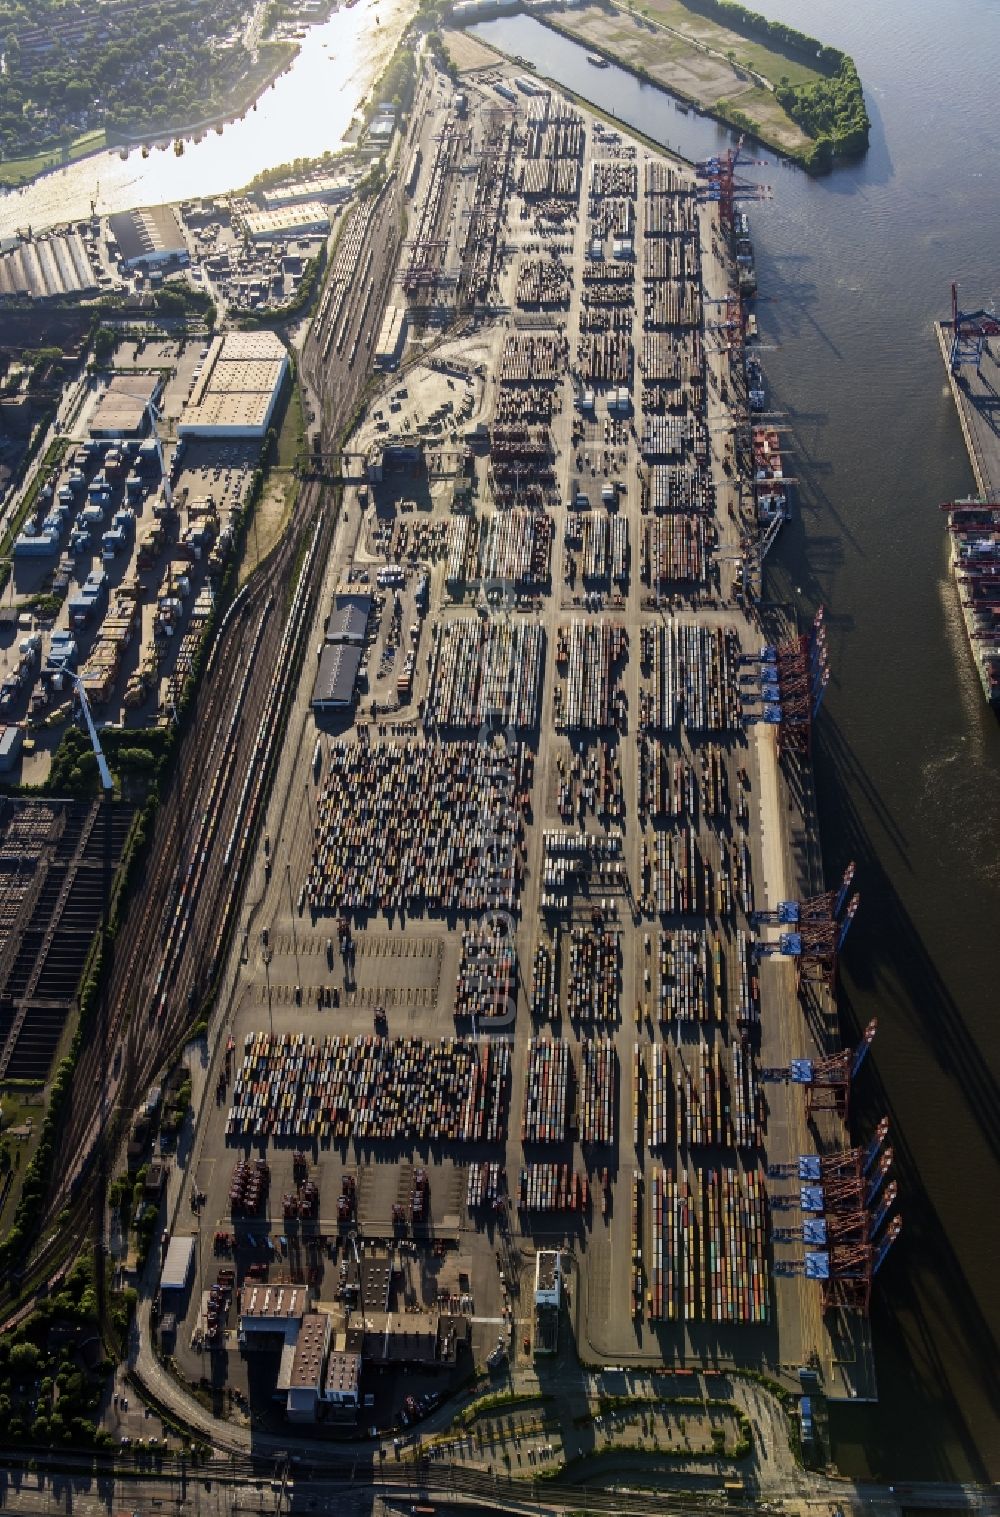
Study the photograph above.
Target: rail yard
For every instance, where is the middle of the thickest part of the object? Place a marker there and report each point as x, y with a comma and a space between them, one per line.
490, 851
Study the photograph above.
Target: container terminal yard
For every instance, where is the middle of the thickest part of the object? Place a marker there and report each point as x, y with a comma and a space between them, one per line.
533, 961
524, 1039
968, 347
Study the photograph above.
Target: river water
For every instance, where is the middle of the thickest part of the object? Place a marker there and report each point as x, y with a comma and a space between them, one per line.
853, 270
307, 110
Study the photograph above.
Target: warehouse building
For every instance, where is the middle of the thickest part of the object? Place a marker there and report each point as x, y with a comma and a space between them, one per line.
123, 409
343, 1379
325, 188
149, 237
45, 267
337, 677
238, 388
302, 1362
348, 619
309, 218
391, 338
431, 1340
271, 1312
177, 1266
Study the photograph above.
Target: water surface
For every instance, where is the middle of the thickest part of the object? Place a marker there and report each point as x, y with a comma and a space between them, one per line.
307, 110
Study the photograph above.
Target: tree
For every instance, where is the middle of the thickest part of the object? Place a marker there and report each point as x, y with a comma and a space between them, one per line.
105, 342
24, 1358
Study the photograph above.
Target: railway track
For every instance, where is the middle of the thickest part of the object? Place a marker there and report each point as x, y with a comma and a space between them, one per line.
174, 934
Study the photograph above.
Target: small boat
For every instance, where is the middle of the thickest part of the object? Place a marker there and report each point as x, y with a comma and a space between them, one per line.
597, 60
751, 325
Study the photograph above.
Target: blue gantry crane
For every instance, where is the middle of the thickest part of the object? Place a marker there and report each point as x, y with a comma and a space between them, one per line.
969, 331
817, 930
843, 1228
827, 1080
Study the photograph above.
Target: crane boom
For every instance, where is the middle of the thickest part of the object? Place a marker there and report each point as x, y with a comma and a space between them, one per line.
107, 783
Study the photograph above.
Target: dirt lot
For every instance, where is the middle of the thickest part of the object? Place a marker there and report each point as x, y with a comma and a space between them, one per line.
468, 53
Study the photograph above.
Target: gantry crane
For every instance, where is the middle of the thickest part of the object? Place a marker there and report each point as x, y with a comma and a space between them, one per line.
969, 331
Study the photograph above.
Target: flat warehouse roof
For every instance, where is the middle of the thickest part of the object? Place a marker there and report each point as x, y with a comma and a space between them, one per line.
310, 1347
250, 346
122, 407
151, 231
248, 376
227, 411
270, 1301
309, 213
178, 1264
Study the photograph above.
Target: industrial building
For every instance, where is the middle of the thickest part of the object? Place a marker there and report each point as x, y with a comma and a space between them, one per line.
270, 1311
327, 188
318, 1366
11, 742
348, 619
44, 267
336, 677
302, 1362
548, 1295
148, 237
427, 1339
238, 388
287, 221
123, 409
178, 1264
380, 130
343, 1379
391, 338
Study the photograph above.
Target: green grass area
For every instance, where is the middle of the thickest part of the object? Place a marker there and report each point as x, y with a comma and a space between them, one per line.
774, 67
292, 437
502, 1402
771, 63
21, 1102
17, 171
758, 109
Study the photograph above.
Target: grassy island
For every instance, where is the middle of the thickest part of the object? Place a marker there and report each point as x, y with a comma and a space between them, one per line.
789, 91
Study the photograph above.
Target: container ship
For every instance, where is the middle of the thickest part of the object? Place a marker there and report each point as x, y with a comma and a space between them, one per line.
974, 530
770, 486
745, 268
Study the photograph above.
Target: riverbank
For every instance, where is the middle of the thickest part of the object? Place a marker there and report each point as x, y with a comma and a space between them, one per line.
23, 171
308, 111
20, 171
